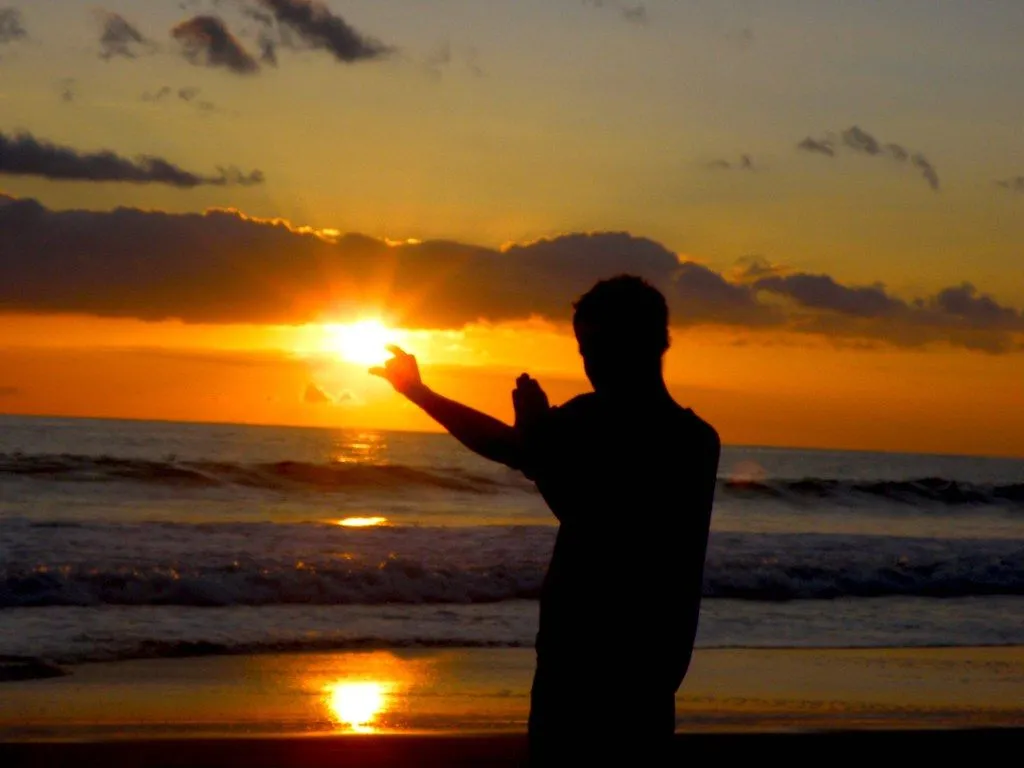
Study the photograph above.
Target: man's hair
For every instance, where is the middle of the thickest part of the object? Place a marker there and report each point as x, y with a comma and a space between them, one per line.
625, 309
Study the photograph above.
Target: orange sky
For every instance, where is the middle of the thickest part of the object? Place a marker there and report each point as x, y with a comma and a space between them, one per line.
756, 387
830, 195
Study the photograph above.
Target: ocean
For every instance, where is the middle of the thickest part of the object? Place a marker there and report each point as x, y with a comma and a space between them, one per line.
133, 540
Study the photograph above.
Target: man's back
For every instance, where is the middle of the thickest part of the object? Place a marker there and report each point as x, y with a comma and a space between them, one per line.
631, 477
632, 485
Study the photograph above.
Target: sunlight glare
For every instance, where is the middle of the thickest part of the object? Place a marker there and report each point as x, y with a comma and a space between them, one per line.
362, 343
363, 522
357, 705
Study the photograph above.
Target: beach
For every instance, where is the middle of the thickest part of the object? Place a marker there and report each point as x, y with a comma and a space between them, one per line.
469, 706
182, 595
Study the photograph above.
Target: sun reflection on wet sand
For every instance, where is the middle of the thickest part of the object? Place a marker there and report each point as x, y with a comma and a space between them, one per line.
363, 522
357, 704
369, 692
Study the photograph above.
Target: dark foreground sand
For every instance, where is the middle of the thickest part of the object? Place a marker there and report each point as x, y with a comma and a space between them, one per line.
878, 748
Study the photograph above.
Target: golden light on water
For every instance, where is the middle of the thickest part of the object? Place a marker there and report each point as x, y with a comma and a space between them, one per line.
357, 704
362, 343
363, 522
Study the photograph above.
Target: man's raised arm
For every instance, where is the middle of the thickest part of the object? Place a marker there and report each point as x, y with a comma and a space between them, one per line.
482, 434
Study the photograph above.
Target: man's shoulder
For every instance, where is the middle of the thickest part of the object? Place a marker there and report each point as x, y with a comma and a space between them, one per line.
697, 438
581, 404
701, 429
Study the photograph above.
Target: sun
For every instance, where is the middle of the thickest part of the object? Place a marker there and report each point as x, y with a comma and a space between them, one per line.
362, 343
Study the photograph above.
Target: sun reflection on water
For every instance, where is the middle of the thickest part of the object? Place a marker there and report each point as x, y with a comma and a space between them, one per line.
369, 448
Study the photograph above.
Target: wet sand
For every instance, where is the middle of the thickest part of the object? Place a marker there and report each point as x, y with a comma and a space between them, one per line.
466, 707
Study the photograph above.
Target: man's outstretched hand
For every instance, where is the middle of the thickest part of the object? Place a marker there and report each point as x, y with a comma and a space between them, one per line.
530, 402
401, 371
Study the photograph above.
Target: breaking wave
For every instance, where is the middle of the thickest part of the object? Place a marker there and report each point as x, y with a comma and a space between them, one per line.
265, 564
278, 476
294, 475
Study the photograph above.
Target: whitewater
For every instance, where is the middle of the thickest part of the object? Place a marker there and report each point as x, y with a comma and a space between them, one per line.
142, 539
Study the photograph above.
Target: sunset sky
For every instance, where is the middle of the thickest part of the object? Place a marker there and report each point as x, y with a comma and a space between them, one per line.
830, 193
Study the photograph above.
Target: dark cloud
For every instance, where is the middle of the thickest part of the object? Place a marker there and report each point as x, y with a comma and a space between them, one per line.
316, 396
957, 315
189, 93
744, 163
24, 155
222, 267
6, 391
857, 140
120, 38
822, 147
12, 28
823, 292
1014, 184
977, 310
860, 141
206, 41
319, 28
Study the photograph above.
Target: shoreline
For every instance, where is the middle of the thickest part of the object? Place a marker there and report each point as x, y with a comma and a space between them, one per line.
449, 693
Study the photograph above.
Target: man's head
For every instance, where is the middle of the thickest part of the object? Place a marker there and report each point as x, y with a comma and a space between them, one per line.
621, 325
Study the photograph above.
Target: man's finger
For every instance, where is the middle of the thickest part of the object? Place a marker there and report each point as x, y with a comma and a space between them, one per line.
382, 372
396, 350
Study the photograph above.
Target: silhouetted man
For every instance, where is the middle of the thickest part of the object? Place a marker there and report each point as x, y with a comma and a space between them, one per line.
630, 475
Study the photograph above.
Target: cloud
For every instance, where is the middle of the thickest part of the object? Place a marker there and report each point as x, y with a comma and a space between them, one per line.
316, 396
67, 89
753, 268
859, 141
119, 38
958, 315
445, 57
224, 267
319, 28
12, 28
977, 310
7, 391
161, 94
822, 147
745, 163
823, 292
189, 95
1013, 184
24, 155
206, 41
635, 13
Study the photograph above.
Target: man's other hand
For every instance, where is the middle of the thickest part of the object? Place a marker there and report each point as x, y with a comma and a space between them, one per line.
530, 402
401, 371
